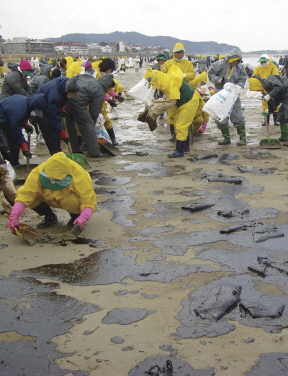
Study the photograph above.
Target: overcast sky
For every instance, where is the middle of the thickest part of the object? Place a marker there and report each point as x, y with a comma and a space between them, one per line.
249, 24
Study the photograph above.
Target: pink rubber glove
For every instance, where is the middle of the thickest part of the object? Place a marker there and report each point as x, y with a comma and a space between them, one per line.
79, 222
203, 127
16, 211
112, 93
107, 98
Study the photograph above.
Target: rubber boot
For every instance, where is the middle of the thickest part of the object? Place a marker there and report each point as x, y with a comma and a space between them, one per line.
268, 119
112, 136
275, 119
50, 217
284, 132
226, 135
81, 144
172, 132
242, 134
187, 145
179, 152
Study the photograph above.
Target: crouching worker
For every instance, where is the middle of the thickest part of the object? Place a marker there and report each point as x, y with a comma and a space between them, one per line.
180, 98
58, 183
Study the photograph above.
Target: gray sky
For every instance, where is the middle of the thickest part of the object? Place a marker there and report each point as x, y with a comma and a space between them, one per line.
248, 24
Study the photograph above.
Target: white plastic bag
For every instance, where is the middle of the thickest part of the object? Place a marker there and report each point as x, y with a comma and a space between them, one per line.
99, 121
10, 170
142, 91
100, 129
253, 94
220, 105
113, 114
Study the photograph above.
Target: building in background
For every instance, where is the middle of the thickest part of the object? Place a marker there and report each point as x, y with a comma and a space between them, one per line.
28, 46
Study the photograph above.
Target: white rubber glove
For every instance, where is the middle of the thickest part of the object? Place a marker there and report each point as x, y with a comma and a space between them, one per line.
266, 98
184, 75
238, 89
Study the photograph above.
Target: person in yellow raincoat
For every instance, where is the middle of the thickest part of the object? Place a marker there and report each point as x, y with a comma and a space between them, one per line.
178, 96
188, 74
58, 183
264, 69
70, 66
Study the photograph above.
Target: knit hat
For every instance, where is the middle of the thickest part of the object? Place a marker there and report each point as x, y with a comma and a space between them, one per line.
25, 65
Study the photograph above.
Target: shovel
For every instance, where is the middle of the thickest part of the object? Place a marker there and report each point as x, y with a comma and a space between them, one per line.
269, 143
107, 147
76, 157
22, 171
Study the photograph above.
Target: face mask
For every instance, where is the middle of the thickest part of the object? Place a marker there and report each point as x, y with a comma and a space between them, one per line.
180, 59
264, 65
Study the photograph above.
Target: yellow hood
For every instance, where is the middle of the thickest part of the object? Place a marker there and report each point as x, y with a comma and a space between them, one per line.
255, 84
178, 47
69, 60
57, 166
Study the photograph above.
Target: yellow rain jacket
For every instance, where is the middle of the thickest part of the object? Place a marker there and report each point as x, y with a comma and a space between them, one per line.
184, 65
77, 196
170, 83
198, 79
264, 72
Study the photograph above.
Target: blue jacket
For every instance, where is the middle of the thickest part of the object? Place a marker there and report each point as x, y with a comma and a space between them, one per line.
15, 110
56, 96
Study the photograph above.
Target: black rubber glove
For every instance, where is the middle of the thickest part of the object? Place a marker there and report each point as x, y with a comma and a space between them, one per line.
112, 103
29, 129
66, 140
120, 99
27, 153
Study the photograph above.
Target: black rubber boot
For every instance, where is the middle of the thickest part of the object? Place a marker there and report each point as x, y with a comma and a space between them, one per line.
275, 119
50, 217
187, 145
172, 132
179, 152
112, 136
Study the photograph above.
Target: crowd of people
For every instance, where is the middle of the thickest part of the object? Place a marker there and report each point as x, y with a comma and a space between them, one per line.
62, 100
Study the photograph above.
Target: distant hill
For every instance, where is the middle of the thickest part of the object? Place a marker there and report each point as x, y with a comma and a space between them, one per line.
137, 38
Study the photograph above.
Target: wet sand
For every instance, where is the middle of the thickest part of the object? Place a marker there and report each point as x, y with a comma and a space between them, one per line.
130, 293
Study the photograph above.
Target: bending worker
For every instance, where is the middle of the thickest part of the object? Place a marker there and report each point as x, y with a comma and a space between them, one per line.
178, 96
58, 183
277, 88
225, 70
